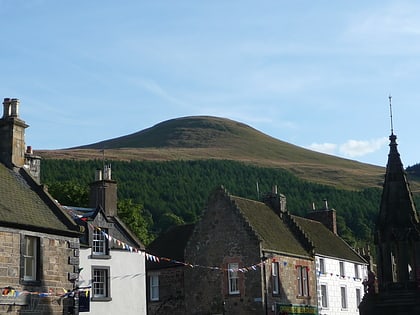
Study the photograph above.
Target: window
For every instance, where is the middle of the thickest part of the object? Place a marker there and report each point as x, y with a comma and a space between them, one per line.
342, 269
302, 277
275, 277
31, 256
233, 278
324, 296
154, 287
343, 297
100, 283
322, 266
356, 271
99, 242
358, 296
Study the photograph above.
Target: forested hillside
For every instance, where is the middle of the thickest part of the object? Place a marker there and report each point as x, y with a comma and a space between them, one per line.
174, 192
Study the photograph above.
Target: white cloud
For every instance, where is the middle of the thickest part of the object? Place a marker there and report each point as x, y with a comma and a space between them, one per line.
328, 148
354, 148
351, 148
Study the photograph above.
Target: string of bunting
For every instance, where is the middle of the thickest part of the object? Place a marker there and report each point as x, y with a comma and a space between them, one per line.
343, 277
11, 292
156, 259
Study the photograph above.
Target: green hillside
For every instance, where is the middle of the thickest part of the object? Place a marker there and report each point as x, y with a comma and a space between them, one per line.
175, 192
203, 137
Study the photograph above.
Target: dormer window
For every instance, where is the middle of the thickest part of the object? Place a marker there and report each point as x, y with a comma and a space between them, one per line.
99, 242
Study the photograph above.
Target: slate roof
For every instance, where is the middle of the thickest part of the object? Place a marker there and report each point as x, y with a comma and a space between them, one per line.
170, 244
326, 242
24, 204
80, 213
273, 231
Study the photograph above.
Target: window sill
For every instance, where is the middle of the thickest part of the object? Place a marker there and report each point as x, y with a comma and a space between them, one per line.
101, 299
234, 294
100, 257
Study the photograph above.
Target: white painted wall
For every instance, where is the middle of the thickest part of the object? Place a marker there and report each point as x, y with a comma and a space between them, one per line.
128, 282
334, 281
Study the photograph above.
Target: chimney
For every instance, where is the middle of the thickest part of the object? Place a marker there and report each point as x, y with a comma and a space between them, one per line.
103, 192
276, 201
12, 135
326, 216
33, 164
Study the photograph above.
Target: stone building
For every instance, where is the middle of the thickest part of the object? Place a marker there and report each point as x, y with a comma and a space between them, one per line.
252, 257
39, 243
112, 259
397, 240
249, 259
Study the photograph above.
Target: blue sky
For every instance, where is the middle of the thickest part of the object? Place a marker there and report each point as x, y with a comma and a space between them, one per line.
315, 74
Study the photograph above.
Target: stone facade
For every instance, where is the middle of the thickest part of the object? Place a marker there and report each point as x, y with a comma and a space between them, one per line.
225, 235
58, 261
171, 292
221, 237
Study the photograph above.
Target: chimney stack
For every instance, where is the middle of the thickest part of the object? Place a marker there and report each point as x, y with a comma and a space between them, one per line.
276, 201
33, 164
326, 216
12, 135
103, 192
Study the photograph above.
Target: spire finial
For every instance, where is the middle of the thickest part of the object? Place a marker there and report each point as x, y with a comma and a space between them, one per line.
390, 113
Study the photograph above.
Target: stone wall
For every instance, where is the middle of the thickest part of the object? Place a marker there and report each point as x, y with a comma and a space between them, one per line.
222, 236
288, 283
58, 262
171, 292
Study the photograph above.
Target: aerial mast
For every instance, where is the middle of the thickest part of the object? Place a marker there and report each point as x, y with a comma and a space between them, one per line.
390, 113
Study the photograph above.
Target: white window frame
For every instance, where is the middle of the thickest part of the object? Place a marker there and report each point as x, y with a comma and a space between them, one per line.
99, 243
101, 286
302, 278
30, 258
322, 265
233, 278
342, 269
275, 276
154, 287
358, 296
343, 294
324, 296
356, 271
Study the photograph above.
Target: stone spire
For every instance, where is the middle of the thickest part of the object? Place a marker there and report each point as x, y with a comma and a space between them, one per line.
397, 241
397, 232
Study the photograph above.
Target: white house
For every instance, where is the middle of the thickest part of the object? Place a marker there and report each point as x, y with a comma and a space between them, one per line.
340, 270
112, 259
339, 284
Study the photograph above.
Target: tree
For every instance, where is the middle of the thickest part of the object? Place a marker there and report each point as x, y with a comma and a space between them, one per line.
137, 219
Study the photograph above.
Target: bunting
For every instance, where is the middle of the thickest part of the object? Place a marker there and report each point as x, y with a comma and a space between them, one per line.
156, 259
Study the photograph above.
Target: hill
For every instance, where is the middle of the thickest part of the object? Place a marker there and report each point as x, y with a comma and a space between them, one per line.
205, 137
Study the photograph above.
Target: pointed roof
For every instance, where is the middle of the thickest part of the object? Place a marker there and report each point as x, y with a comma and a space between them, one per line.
397, 209
274, 232
326, 242
170, 244
81, 215
24, 204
